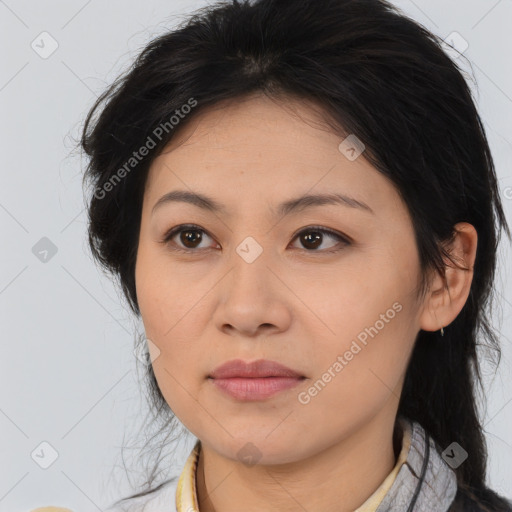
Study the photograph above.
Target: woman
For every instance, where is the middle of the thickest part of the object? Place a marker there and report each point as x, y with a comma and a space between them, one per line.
299, 201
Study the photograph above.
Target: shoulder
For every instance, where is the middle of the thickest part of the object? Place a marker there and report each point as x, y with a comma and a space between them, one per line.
160, 499
485, 500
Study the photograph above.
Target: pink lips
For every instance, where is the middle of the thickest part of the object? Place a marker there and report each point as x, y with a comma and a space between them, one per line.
254, 381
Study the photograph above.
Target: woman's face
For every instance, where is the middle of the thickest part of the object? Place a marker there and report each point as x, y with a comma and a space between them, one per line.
263, 282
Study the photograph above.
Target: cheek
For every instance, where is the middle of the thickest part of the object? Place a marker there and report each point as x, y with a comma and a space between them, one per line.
359, 374
177, 368
160, 293
172, 321
364, 339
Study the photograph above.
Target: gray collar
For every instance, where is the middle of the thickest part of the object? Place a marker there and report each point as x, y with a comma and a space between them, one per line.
425, 482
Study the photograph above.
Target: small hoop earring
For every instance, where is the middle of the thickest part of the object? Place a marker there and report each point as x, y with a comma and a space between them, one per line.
442, 331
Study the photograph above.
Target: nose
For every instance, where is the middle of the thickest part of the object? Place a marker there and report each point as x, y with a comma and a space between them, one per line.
252, 300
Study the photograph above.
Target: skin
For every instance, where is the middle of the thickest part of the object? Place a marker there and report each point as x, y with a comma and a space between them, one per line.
294, 304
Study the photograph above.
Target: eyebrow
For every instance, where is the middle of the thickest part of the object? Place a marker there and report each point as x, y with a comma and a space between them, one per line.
292, 205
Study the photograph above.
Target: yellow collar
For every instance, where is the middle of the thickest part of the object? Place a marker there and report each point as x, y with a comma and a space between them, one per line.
186, 493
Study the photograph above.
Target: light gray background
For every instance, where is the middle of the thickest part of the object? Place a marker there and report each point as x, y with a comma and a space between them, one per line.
67, 365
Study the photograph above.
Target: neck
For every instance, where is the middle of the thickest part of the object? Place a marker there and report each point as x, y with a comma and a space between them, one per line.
338, 479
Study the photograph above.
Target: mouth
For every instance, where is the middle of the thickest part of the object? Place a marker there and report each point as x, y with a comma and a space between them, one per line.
258, 380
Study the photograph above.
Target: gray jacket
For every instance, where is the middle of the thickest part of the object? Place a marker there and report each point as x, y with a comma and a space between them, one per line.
410, 490
427, 483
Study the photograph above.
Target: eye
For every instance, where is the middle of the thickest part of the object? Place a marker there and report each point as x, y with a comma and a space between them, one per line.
190, 236
312, 237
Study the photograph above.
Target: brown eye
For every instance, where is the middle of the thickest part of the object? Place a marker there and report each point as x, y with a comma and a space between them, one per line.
313, 237
189, 239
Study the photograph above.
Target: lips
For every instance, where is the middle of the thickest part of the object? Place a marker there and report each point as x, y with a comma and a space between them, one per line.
258, 380
257, 369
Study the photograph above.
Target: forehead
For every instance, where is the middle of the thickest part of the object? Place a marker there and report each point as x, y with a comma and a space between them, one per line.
253, 149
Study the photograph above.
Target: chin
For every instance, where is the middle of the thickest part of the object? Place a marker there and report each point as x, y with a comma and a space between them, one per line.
259, 448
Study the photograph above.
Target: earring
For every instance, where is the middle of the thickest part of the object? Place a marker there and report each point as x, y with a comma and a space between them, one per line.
442, 331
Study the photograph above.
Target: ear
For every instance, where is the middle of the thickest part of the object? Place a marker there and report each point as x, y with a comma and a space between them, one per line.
446, 297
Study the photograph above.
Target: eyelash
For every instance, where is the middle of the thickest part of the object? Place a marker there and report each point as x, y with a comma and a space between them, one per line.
194, 227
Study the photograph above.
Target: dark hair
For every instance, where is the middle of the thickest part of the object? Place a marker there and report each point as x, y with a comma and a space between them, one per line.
372, 72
